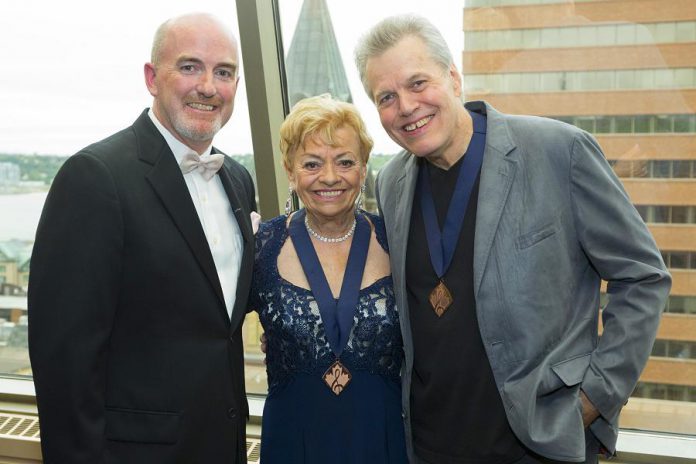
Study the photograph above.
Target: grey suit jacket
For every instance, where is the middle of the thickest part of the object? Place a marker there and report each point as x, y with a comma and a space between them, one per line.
552, 221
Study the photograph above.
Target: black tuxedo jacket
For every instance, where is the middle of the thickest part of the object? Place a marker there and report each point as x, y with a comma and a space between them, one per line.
135, 358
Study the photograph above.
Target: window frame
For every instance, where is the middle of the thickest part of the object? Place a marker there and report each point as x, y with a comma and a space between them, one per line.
263, 57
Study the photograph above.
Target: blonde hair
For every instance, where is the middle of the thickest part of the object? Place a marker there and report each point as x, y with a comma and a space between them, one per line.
321, 117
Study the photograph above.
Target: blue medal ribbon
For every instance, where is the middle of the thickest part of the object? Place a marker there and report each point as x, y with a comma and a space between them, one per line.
337, 315
442, 244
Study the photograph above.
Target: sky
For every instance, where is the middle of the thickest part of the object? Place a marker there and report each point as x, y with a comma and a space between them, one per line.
73, 70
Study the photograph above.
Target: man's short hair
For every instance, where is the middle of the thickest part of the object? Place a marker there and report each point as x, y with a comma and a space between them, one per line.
390, 31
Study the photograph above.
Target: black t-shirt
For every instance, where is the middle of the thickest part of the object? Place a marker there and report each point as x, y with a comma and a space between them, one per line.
457, 415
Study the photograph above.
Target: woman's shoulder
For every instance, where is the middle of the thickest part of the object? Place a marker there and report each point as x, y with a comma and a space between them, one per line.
380, 231
269, 230
277, 222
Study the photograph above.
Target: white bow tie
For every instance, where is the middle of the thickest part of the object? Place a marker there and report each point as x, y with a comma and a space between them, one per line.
207, 165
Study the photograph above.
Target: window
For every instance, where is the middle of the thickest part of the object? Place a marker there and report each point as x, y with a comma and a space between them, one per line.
593, 80
518, 76
662, 169
102, 107
650, 145
626, 34
75, 110
663, 123
681, 304
624, 124
682, 169
668, 214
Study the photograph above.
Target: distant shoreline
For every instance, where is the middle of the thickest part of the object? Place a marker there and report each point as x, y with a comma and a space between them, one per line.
23, 189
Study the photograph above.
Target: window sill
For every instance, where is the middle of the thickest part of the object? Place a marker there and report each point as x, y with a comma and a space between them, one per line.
633, 446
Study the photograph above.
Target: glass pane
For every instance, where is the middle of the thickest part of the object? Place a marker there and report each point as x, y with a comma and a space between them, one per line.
623, 124
643, 211
666, 32
625, 34
645, 79
550, 37
679, 349
659, 348
587, 36
552, 82
586, 124
627, 128
685, 31
681, 169
679, 259
664, 78
684, 123
663, 124
641, 124
660, 214
680, 214
684, 77
603, 125
662, 169
531, 38
569, 37
625, 79
75, 110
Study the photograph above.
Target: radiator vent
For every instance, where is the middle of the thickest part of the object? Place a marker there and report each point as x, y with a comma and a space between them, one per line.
16, 426
26, 428
253, 446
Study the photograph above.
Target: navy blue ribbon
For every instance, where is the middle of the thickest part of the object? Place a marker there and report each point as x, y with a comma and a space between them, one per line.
442, 244
337, 315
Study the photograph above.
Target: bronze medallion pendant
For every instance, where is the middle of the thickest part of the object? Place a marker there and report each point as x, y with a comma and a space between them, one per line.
440, 299
337, 377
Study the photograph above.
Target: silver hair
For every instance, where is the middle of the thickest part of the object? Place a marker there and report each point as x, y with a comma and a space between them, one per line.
389, 32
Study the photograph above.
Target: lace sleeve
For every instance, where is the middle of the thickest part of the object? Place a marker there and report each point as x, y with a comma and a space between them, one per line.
269, 233
380, 231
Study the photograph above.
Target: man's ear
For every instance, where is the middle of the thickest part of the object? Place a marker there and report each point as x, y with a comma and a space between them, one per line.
456, 80
150, 75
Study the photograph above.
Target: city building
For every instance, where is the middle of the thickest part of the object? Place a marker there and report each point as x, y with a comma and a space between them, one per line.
624, 70
9, 174
314, 64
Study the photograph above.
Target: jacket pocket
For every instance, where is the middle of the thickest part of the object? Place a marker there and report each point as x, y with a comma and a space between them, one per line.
529, 239
572, 371
132, 425
567, 373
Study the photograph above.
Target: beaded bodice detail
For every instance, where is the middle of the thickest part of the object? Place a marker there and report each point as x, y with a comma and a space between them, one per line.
296, 341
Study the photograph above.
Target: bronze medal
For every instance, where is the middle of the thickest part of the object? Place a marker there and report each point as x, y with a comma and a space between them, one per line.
337, 377
440, 299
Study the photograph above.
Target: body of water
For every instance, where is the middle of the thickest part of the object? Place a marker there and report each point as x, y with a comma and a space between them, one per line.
19, 215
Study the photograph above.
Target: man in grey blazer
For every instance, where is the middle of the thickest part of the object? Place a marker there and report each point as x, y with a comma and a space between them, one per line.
500, 230
141, 271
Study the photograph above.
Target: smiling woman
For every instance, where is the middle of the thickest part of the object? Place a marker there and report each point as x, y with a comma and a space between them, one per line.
325, 300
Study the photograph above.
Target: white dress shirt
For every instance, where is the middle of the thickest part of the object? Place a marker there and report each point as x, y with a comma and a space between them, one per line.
216, 216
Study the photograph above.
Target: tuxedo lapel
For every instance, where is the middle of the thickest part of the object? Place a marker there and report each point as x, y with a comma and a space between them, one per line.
242, 216
497, 174
166, 179
244, 221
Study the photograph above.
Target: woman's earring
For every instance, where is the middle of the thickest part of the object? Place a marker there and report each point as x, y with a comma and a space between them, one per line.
361, 197
288, 202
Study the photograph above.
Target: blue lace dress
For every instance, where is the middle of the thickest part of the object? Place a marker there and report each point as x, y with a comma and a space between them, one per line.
303, 420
